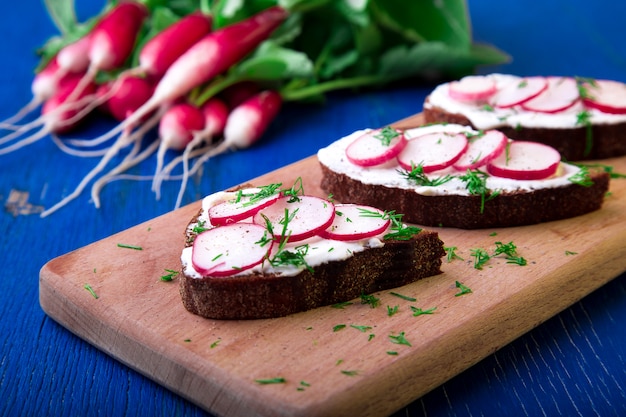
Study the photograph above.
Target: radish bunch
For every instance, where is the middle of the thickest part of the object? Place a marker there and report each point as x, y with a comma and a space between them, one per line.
456, 152
185, 56
548, 95
256, 226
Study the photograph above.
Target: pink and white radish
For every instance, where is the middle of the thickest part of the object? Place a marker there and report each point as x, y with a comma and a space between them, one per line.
215, 113
245, 124
433, 151
207, 58
561, 94
57, 115
482, 149
244, 206
376, 147
230, 249
161, 51
524, 160
112, 39
356, 222
297, 220
606, 96
74, 57
176, 129
519, 91
472, 88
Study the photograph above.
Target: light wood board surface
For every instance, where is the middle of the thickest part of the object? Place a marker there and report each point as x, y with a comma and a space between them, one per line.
139, 319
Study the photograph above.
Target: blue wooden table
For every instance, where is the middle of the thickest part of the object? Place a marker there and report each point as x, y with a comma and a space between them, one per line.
573, 364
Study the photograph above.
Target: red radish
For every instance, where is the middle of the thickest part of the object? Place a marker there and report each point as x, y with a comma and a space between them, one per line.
57, 115
248, 121
472, 88
125, 95
228, 250
356, 222
606, 96
244, 206
215, 114
45, 84
160, 52
236, 94
297, 220
526, 161
481, 150
376, 147
519, 91
74, 57
176, 129
433, 151
561, 94
112, 39
207, 58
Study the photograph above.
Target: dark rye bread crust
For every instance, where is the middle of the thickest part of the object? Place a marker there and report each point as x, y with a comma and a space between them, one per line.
608, 140
504, 210
258, 296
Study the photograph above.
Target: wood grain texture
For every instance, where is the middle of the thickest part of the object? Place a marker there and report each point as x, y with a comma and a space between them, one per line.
140, 320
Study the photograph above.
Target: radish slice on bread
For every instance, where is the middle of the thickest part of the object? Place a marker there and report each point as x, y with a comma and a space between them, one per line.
524, 160
433, 151
376, 147
472, 88
561, 94
482, 149
245, 205
519, 91
355, 222
297, 218
230, 249
606, 96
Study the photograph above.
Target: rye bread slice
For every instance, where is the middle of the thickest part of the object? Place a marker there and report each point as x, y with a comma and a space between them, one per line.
260, 296
607, 140
505, 210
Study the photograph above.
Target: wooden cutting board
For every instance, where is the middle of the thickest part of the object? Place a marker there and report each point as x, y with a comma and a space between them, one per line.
358, 370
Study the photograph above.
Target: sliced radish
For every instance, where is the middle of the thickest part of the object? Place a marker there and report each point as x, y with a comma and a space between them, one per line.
376, 147
355, 222
482, 149
561, 94
433, 151
230, 249
606, 96
524, 160
519, 91
246, 204
472, 88
306, 217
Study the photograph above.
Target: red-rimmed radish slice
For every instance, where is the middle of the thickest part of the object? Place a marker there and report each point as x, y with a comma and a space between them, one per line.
306, 217
524, 160
561, 94
606, 96
376, 147
355, 222
519, 91
433, 151
472, 88
482, 149
230, 249
246, 204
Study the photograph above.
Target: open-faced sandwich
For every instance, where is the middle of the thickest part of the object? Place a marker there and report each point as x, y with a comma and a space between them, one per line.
582, 118
263, 252
454, 176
